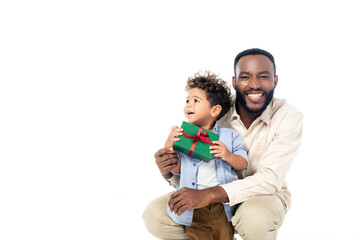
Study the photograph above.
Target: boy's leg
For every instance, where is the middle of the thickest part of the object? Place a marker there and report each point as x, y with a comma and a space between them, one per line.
221, 227
210, 223
200, 228
259, 218
158, 221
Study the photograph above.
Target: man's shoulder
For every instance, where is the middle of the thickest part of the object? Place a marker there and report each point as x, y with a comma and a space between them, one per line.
285, 115
281, 107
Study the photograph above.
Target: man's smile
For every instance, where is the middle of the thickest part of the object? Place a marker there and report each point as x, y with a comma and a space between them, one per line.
255, 97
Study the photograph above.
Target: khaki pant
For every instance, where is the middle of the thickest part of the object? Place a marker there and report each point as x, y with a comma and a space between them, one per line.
210, 223
258, 218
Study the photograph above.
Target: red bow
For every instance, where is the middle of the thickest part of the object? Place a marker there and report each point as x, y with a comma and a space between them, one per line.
201, 136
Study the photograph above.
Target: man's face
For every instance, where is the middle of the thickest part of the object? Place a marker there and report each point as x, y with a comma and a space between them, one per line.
254, 82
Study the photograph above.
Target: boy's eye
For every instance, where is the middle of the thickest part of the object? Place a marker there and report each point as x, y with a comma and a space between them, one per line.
196, 100
187, 101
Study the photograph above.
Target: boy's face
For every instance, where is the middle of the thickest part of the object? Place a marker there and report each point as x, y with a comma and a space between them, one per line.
198, 110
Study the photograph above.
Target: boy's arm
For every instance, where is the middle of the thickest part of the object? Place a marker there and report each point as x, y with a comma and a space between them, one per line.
236, 161
173, 137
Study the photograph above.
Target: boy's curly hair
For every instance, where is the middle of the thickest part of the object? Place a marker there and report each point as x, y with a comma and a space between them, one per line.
217, 91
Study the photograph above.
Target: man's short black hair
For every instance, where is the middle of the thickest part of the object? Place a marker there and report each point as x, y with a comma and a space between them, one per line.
254, 51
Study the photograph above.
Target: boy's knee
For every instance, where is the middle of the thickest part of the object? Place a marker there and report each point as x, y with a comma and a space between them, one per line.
259, 218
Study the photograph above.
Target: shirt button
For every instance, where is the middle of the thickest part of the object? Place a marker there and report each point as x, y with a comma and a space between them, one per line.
194, 164
193, 183
245, 138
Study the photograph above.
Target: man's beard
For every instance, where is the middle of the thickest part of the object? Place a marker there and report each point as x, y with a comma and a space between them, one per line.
240, 98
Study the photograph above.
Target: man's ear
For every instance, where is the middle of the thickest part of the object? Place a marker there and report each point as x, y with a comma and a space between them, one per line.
215, 111
275, 80
233, 82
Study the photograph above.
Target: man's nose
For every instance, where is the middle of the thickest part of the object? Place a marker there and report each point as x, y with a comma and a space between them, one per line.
254, 83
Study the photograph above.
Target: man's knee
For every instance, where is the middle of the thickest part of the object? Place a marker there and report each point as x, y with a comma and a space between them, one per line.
158, 221
259, 217
153, 215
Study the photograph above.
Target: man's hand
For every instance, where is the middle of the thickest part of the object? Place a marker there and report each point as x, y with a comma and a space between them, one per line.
166, 159
186, 199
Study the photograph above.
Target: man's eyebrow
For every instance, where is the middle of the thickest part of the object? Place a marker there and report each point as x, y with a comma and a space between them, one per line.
244, 73
264, 72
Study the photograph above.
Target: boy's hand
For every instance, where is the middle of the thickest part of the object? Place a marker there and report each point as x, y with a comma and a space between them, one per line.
220, 150
173, 136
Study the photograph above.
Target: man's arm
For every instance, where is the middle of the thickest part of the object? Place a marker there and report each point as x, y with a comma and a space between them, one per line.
273, 165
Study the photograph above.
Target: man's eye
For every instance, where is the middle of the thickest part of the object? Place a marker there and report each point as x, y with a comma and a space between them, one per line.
244, 77
264, 77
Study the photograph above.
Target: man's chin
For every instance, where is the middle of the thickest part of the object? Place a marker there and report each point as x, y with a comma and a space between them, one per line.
255, 108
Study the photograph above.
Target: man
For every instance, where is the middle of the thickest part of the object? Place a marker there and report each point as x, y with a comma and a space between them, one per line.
271, 130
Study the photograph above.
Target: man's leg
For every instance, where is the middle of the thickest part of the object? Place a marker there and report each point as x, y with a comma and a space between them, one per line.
158, 221
259, 218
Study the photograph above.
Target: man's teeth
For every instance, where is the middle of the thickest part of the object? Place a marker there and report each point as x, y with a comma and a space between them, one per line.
255, 95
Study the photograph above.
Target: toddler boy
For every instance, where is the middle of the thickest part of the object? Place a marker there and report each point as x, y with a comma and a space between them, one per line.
208, 99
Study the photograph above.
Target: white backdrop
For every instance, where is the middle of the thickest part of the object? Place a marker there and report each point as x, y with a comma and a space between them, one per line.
90, 89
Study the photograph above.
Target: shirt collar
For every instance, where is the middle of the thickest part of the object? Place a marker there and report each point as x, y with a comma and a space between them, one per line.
267, 113
216, 128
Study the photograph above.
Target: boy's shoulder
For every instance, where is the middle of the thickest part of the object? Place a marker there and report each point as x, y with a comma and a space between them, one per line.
227, 131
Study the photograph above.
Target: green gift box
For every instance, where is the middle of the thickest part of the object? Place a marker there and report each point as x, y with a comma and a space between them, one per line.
195, 142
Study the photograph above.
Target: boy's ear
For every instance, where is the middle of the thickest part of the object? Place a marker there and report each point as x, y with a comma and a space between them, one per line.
215, 111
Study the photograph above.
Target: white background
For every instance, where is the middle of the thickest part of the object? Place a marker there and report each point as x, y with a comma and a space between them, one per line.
90, 89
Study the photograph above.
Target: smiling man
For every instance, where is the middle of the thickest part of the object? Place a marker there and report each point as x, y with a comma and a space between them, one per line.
271, 129
254, 81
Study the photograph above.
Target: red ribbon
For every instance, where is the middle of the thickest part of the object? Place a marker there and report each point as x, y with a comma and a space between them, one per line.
201, 136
